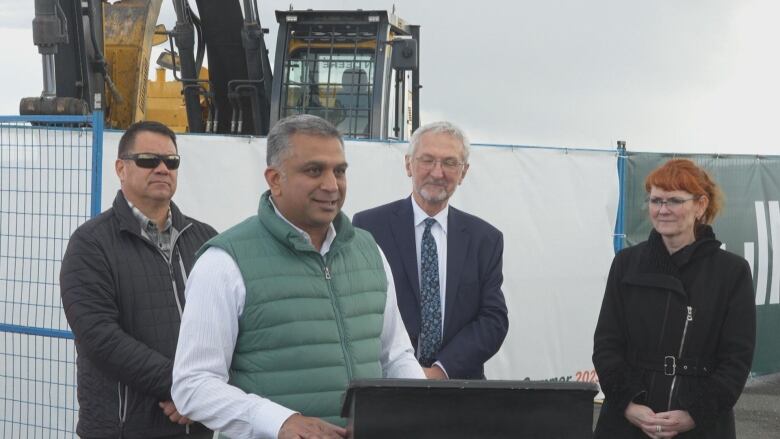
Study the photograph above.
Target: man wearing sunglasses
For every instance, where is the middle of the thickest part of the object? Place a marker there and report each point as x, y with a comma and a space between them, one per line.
122, 285
285, 308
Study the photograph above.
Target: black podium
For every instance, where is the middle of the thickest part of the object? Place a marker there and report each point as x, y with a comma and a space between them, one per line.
454, 409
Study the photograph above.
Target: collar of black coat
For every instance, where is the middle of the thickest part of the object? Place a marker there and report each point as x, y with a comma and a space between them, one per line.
656, 257
128, 221
657, 268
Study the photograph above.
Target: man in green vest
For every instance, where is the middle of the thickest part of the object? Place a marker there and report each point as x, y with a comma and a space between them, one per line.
288, 306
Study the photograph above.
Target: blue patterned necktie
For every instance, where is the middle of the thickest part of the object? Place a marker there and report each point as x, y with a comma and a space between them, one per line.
430, 331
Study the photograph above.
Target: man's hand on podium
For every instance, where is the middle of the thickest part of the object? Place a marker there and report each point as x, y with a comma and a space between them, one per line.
434, 373
298, 426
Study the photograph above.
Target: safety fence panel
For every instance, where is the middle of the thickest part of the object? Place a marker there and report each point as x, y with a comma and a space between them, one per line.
47, 183
557, 208
749, 226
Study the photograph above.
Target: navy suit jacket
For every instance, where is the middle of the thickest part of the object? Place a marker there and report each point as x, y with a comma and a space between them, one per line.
475, 315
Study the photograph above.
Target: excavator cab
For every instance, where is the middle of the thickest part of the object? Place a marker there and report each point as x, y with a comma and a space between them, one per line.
341, 66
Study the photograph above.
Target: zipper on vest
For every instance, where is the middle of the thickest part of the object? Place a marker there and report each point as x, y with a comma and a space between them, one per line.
688, 320
339, 321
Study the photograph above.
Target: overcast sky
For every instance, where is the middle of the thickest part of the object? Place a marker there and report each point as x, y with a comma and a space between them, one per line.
672, 76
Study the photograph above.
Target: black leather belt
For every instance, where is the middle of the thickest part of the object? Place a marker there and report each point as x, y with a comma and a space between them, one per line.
671, 365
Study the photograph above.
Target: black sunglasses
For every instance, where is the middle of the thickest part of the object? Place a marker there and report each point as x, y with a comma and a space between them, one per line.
148, 160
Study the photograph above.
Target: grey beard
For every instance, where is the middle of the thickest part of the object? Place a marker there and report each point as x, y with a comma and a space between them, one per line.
438, 197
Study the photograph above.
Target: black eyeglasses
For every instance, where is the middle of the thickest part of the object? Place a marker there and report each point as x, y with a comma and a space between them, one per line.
449, 164
148, 160
670, 203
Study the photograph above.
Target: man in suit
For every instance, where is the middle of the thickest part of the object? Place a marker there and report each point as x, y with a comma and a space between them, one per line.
446, 263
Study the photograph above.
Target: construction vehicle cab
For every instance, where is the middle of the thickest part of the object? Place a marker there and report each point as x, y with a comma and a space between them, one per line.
357, 69
339, 65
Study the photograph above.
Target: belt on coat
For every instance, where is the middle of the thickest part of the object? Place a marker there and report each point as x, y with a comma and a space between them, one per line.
671, 365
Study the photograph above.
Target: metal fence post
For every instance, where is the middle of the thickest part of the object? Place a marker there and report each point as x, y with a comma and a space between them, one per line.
97, 162
619, 239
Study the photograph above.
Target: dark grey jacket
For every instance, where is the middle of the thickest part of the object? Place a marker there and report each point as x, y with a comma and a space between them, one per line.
122, 300
675, 333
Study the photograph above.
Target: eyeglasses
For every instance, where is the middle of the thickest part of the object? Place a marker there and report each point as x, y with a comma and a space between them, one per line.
148, 160
448, 164
670, 203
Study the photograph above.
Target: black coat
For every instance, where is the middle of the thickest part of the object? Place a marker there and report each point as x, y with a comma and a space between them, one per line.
642, 324
119, 298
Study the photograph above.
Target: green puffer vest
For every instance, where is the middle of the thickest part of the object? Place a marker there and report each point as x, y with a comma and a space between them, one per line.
310, 324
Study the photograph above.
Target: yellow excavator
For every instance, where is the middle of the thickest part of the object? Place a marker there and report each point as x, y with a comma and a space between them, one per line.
358, 69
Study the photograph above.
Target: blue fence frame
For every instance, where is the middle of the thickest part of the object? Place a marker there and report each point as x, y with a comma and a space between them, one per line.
96, 122
619, 240
50, 183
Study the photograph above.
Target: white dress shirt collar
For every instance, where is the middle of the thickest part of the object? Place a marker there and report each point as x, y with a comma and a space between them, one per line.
420, 215
329, 236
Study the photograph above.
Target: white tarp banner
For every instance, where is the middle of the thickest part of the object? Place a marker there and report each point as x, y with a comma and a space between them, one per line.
555, 207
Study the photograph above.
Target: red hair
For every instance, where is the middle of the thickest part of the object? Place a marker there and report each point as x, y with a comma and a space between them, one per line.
684, 175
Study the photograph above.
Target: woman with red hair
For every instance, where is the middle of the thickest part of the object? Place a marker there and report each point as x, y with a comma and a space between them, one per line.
675, 337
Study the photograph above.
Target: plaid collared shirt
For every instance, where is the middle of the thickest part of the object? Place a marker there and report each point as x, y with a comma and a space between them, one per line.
164, 239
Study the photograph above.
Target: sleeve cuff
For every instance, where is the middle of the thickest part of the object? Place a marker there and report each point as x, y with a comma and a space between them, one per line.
621, 387
706, 402
268, 419
441, 366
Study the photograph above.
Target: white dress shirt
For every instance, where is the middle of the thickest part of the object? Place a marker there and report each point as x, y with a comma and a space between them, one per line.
215, 295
